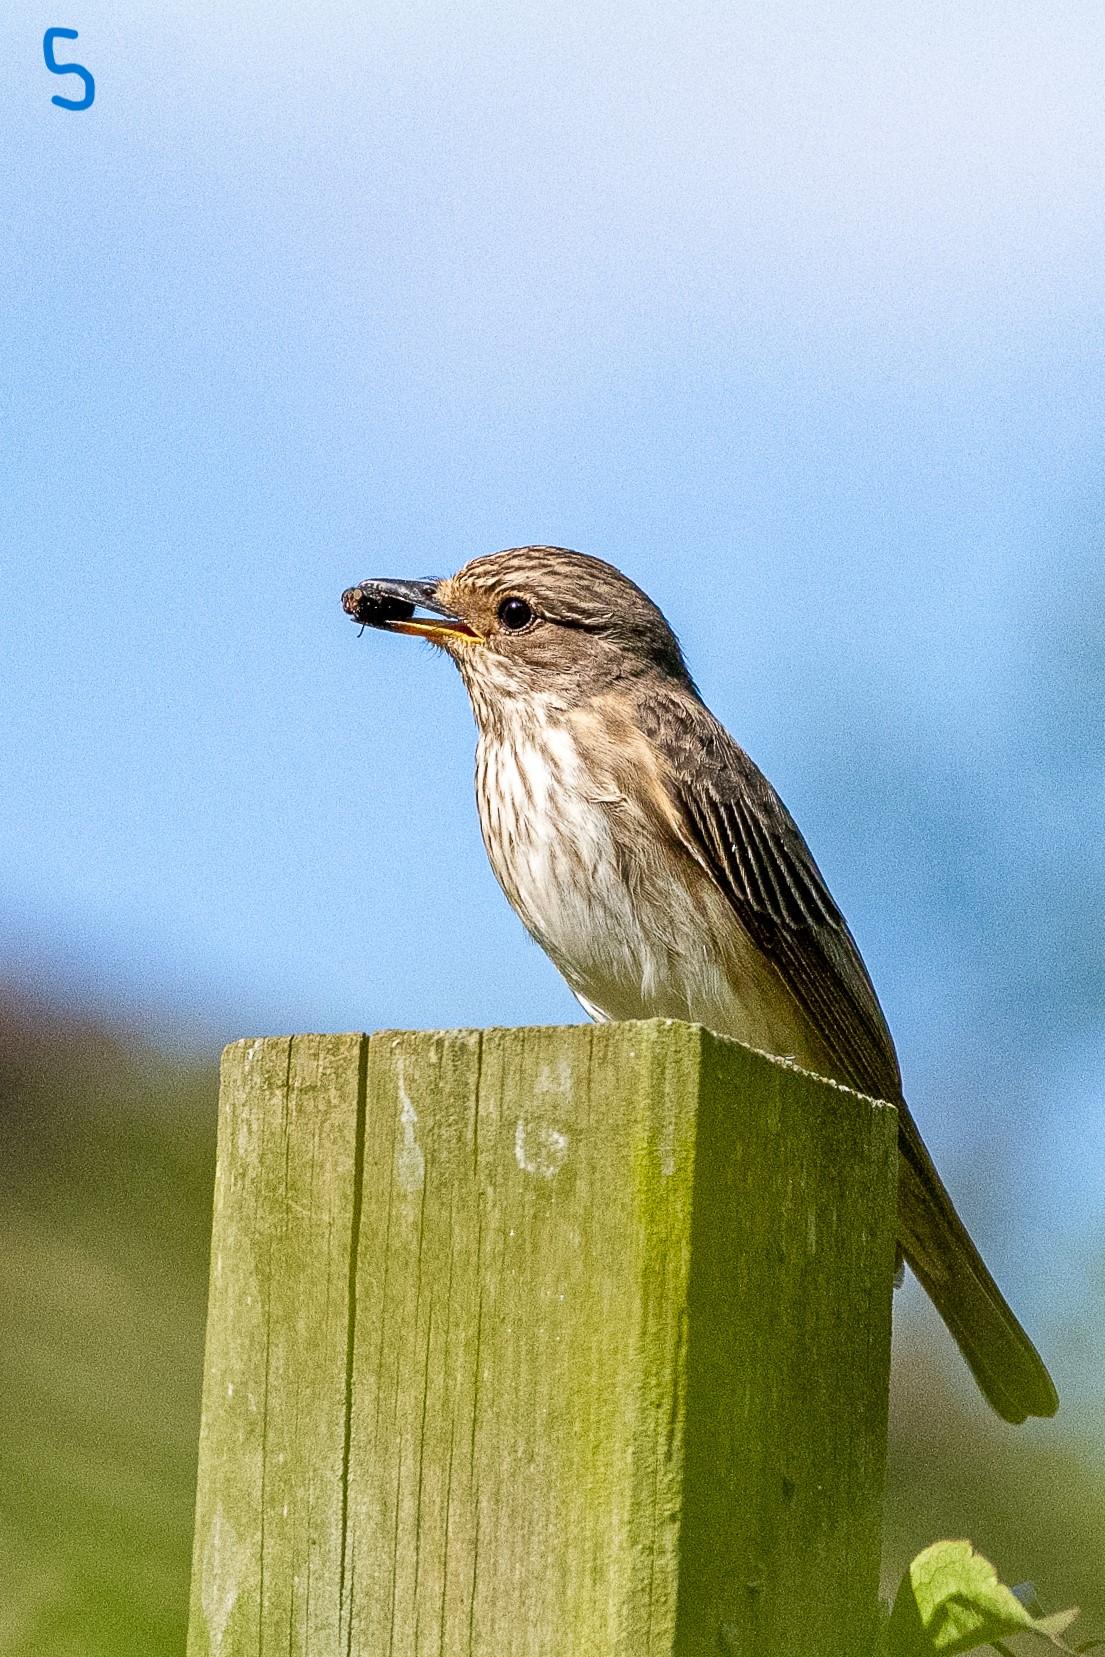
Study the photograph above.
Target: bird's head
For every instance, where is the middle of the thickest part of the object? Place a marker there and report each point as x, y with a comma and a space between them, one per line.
531, 620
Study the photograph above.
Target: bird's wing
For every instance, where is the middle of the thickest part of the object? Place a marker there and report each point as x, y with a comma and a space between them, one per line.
737, 828
730, 819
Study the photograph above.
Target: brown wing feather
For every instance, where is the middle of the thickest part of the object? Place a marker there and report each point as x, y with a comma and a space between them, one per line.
743, 833
740, 831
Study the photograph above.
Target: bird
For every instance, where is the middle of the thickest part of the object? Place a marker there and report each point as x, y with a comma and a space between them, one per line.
659, 870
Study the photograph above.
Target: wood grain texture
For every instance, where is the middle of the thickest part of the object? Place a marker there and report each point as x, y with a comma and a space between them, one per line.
542, 1343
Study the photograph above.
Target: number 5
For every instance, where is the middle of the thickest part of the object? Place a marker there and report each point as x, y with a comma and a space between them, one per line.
56, 68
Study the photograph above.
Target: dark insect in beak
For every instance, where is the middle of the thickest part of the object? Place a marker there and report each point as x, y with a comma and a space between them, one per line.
375, 609
391, 605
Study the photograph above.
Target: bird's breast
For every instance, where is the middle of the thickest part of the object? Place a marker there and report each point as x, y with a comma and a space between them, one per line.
549, 840
634, 928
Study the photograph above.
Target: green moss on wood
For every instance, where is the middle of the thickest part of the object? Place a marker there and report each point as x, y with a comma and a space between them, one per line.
542, 1343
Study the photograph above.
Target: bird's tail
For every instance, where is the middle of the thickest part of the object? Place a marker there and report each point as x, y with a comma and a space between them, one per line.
938, 1247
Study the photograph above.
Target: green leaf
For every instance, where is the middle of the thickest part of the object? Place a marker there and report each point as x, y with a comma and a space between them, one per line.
950, 1601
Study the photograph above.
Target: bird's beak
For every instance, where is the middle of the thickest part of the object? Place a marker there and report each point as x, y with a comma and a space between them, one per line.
390, 605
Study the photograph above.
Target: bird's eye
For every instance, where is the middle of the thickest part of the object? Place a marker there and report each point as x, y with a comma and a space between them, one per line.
515, 613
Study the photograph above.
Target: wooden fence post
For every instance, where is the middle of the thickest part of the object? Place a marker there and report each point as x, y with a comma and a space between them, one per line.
542, 1343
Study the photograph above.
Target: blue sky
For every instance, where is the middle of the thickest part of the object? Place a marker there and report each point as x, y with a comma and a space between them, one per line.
795, 315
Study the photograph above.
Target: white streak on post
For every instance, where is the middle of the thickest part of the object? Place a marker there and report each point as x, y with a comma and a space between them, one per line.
539, 1149
221, 1567
410, 1159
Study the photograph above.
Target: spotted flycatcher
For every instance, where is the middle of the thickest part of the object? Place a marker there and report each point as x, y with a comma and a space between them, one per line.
665, 878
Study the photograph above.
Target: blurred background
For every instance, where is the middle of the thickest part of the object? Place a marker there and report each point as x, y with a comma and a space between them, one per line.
793, 311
